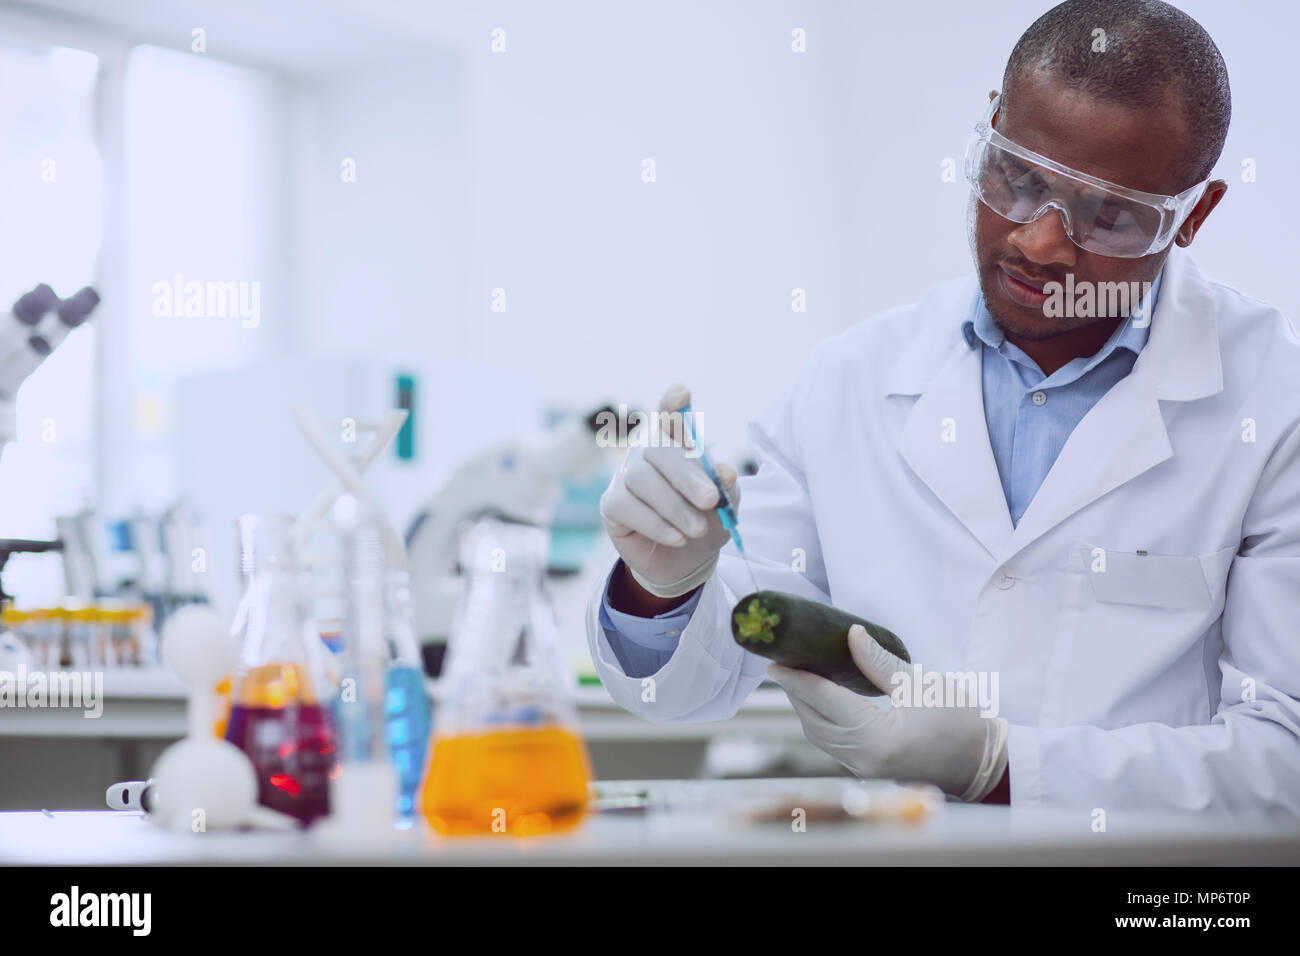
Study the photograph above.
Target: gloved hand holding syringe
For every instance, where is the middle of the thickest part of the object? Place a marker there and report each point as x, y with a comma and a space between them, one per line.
669, 509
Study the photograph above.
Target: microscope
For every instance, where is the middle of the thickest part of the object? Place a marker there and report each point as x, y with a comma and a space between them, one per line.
37, 325
519, 481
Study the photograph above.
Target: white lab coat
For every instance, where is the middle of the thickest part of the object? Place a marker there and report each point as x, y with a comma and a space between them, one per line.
1167, 681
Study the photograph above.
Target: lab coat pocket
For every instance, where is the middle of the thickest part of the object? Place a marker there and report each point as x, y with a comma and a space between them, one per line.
1147, 580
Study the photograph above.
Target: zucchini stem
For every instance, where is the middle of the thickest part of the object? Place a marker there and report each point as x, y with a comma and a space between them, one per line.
755, 623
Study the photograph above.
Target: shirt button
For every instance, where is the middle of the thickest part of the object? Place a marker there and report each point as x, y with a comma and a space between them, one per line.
671, 632
1039, 397
1006, 579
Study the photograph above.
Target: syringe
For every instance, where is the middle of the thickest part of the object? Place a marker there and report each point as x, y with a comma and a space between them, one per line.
726, 506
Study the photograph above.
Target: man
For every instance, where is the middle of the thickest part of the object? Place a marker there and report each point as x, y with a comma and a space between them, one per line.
1097, 504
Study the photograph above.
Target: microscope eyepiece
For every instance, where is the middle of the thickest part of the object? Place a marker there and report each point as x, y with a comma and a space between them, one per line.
73, 311
32, 306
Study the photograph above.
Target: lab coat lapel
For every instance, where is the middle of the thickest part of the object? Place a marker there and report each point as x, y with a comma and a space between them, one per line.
1124, 434
945, 438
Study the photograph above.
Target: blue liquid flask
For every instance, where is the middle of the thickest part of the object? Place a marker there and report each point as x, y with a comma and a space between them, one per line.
408, 713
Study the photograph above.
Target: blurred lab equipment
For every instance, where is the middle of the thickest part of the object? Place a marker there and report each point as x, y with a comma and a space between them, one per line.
83, 647
118, 587
363, 790
166, 556
246, 532
201, 783
276, 714
507, 756
17, 328
36, 326
96, 635
14, 652
127, 636
366, 536
521, 480
13, 621
159, 560
347, 471
86, 562
11, 546
184, 553
43, 636
406, 702
132, 795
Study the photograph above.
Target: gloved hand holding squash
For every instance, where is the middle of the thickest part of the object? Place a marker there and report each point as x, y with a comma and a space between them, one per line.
955, 748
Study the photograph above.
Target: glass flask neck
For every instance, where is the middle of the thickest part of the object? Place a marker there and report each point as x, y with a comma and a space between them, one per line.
504, 665
272, 618
503, 597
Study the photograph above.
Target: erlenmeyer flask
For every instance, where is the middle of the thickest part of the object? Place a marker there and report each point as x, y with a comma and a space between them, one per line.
507, 756
276, 716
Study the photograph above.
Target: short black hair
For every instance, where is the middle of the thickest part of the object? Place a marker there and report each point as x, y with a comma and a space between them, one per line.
1152, 51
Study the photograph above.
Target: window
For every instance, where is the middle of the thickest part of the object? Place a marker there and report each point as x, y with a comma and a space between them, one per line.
199, 208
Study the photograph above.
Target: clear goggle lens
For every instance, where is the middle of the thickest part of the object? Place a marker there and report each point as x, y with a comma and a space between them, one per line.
1099, 217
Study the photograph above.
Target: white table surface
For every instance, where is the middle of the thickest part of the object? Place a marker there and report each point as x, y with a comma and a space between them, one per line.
693, 831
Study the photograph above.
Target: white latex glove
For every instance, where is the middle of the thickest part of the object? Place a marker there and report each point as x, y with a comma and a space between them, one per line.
658, 512
954, 748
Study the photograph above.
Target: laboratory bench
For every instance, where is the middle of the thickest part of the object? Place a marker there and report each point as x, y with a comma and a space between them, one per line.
151, 704
690, 823
73, 759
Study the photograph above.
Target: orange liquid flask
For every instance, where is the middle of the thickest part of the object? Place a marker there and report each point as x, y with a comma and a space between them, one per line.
507, 756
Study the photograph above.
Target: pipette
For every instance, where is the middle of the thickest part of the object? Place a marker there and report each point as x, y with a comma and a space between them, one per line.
726, 507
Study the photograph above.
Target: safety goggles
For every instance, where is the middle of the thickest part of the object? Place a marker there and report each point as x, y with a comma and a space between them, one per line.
1021, 185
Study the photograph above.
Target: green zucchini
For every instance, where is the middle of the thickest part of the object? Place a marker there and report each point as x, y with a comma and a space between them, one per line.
809, 636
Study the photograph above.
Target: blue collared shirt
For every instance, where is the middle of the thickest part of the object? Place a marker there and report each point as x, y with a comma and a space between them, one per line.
1029, 416
643, 645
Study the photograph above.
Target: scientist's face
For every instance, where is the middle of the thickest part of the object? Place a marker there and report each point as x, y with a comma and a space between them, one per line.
1135, 147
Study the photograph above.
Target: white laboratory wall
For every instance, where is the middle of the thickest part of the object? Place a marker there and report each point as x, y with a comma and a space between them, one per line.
379, 209
523, 171
624, 286
1250, 241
